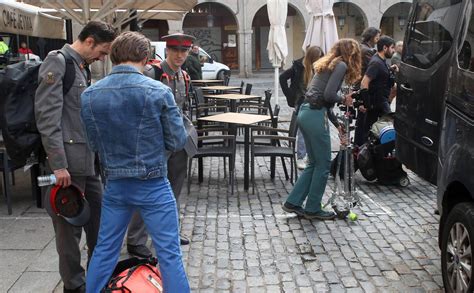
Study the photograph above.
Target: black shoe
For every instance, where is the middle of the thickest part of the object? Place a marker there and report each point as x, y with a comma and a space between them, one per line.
139, 250
183, 240
80, 289
291, 208
320, 215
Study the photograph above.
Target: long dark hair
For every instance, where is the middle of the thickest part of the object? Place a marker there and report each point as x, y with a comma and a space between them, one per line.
312, 55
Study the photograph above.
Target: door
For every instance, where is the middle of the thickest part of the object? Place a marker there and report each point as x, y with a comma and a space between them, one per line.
428, 53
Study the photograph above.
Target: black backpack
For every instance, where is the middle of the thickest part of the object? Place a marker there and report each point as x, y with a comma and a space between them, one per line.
18, 84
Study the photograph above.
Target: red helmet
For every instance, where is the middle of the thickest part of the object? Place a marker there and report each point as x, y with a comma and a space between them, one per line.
70, 204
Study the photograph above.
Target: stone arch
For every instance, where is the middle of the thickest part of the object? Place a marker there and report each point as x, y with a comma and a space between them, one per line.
295, 27
351, 19
393, 20
298, 25
215, 27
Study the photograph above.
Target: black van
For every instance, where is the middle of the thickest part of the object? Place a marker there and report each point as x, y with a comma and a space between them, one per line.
434, 123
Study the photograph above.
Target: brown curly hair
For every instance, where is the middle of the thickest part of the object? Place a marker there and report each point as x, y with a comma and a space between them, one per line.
347, 50
312, 55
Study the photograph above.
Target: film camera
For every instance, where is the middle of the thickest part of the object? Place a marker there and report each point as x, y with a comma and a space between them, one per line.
360, 98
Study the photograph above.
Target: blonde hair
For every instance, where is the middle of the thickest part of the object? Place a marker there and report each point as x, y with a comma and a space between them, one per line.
312, 55
346, 50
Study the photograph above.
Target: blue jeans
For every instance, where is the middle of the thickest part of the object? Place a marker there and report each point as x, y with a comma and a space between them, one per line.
154, 200
311, 184
300, 146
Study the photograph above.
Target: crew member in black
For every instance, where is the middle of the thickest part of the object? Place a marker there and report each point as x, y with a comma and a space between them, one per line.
379, 81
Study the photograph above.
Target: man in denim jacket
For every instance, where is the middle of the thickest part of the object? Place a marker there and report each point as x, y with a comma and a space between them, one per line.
132, 120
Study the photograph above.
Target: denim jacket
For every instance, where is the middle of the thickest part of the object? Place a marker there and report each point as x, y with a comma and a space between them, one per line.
131, 121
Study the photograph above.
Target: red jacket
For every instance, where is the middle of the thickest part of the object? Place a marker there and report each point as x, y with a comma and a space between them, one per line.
25, 51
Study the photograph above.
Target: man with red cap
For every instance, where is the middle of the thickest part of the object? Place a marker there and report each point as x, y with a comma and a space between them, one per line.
168, 72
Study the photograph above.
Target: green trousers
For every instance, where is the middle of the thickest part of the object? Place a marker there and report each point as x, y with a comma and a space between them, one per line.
311, 184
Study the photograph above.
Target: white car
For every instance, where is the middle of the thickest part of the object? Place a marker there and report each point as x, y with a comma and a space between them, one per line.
210, 70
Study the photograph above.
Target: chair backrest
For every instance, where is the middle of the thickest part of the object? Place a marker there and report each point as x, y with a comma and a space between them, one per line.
199, 96
242, 83
293, 125
248, 89
274, 115
226, 79
268, 98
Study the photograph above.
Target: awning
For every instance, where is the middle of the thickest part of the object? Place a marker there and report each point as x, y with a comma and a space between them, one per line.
83, 11
23, 19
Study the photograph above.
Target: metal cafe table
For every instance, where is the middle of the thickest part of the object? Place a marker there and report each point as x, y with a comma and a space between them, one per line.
220, 88
233, 98
205, 82
244, 120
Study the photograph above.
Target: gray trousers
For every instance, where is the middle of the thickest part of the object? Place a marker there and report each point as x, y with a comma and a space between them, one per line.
177, 166
69, 236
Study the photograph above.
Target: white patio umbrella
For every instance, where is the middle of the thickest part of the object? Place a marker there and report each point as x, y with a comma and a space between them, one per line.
84, 10
322, 29
277, 45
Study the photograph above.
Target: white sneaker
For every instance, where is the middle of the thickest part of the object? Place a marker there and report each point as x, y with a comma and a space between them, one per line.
301, 164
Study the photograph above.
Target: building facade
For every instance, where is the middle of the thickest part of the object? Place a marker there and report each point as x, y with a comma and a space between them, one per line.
235, 32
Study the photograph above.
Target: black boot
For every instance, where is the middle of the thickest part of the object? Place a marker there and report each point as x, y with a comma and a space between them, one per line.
139, 250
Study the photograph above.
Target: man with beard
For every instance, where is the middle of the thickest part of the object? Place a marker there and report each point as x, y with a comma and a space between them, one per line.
370, 37
379, 81
64, 140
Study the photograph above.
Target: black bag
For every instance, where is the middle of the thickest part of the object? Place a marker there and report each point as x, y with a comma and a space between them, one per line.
365, 162
18, 84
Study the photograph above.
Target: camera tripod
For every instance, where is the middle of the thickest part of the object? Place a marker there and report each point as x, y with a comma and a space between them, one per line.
345, 196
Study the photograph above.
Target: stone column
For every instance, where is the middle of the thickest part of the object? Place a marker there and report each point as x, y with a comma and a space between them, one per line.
245, 53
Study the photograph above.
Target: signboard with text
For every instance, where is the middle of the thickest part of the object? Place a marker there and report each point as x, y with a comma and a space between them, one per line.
17, 18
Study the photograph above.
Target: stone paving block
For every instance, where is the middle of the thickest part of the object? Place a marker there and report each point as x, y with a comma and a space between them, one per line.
26, 233
47, 261
14, 263
36, 282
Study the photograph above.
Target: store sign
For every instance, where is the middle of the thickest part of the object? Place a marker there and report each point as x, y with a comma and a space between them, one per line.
15, 20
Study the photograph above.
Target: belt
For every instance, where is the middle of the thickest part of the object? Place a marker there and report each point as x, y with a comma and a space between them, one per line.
318, 104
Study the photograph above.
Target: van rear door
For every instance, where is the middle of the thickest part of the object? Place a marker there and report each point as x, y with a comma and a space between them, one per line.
427, 57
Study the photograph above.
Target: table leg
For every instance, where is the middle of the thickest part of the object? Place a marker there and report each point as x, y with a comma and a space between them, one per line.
200, 162
246, 157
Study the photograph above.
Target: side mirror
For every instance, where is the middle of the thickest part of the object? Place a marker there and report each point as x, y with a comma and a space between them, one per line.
210, 60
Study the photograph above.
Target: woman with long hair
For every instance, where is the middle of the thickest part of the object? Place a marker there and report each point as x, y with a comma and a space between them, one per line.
299, 75
341, 64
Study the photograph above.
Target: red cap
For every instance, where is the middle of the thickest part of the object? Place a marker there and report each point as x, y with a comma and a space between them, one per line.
179, 41
70, 203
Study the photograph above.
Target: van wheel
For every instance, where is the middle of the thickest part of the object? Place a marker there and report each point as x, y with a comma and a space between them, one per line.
456, 249
220, 75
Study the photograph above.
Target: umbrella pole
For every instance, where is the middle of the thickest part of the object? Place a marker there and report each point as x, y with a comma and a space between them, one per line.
276, 85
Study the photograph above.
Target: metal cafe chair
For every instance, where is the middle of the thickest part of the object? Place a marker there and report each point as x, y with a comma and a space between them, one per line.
214, 145
279, 145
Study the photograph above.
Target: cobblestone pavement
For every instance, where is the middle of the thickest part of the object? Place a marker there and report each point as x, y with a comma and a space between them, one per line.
245, 243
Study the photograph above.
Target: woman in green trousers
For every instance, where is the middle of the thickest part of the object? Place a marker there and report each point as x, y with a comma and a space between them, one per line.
342, 63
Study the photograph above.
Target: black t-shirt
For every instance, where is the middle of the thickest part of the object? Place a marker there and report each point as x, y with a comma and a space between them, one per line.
380, 79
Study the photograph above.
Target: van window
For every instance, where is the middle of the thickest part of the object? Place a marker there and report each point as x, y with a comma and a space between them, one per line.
465, 57
431, 31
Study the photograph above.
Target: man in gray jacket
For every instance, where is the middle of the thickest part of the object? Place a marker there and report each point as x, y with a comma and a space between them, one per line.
62, 134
